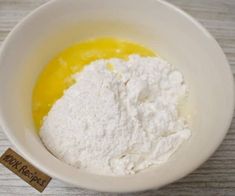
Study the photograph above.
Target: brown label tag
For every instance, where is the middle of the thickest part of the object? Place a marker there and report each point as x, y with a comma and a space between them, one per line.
25, 170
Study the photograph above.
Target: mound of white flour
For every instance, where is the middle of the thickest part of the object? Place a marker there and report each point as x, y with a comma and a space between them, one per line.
119, 117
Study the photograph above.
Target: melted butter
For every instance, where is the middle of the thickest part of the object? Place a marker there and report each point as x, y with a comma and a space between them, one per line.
56, 76
110, 67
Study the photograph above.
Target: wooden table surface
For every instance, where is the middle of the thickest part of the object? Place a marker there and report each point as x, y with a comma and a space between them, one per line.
216, 177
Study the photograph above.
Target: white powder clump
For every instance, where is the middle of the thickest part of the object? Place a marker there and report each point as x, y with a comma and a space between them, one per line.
119, 117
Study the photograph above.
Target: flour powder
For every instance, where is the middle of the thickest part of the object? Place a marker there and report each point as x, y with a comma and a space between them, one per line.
119, 117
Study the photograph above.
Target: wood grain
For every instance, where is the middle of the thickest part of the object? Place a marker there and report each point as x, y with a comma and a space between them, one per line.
215, 177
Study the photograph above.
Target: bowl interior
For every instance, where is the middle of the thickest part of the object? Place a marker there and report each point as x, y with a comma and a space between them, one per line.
155, 24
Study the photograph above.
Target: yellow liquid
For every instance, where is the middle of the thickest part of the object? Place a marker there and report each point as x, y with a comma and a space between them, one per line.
56, 76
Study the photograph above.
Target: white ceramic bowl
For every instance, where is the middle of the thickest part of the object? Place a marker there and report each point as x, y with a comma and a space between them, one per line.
173, 34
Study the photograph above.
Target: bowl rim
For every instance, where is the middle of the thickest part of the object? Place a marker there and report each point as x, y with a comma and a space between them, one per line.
22, 150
